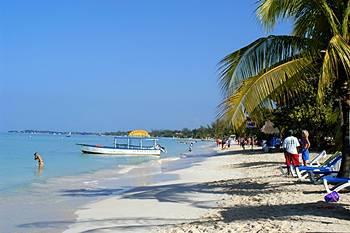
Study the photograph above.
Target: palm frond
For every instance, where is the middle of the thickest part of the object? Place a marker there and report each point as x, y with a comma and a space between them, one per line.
255, 90
310, 23
330, 15
306, 13
305, 22
285, 95
228, 65
345, 24
327, 76
259, 56
288, 93
269, 11
337, 54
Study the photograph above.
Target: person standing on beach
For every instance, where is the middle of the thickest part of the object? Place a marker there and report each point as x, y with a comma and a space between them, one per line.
305, 145
252, 143
223, 141
218, 142
291, 155
242, 142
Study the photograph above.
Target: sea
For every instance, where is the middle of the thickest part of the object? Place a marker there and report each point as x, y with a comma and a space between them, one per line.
34, 200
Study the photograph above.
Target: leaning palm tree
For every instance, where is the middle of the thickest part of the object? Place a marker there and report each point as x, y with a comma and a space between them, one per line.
273, 69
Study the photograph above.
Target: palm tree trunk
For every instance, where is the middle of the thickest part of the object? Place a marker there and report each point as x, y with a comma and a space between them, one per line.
345, 105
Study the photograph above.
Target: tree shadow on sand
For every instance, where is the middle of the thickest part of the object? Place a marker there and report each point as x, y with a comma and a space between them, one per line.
105, 224
90, 192
262, 164
241, 152
286, 211
188, 193
184, 192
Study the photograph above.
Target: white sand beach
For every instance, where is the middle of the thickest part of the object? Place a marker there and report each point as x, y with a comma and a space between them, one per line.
233, 191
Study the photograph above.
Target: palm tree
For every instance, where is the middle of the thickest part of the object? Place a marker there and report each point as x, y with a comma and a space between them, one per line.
272, 69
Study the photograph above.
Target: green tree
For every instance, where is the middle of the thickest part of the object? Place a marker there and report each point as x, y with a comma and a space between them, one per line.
305, 113
272, 69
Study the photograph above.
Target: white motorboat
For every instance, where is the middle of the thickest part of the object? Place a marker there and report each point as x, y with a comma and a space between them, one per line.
126, 146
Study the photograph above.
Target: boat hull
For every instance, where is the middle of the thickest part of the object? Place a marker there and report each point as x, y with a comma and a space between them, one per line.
89, 149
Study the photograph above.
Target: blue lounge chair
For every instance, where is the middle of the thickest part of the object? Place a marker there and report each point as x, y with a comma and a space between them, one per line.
340, 183
314, 173
314, 162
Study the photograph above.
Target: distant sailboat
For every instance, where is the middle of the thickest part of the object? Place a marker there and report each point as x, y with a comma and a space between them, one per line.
69, 134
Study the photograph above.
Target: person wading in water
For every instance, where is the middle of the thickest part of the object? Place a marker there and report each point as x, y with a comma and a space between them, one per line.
40, 160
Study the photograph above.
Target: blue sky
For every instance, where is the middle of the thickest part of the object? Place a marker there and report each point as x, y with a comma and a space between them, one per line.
107, 65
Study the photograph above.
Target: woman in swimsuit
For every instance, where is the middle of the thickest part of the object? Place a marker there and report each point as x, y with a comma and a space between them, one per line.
305, 145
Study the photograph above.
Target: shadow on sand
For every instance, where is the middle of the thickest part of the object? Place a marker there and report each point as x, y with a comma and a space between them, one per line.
119, 224
254, 213
181, 192
90, 192
237, 213
256, 164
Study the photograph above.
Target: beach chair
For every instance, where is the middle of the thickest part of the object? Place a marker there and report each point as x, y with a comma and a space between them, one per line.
340, 183
284, 170
314, 162
314, 173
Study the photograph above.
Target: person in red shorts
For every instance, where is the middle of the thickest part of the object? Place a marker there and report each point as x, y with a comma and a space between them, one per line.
290, 145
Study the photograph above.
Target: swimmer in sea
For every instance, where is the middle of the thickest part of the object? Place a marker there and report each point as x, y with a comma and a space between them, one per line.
40, 160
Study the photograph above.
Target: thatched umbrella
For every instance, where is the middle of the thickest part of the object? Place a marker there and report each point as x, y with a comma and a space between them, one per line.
268, 128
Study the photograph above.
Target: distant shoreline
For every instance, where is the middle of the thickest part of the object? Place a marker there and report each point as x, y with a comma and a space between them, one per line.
184, 133
53, 132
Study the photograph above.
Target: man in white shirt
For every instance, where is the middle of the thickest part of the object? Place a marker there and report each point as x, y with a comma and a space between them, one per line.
290, 145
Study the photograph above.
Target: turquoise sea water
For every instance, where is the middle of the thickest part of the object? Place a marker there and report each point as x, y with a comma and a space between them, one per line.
62, 157
44, 201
